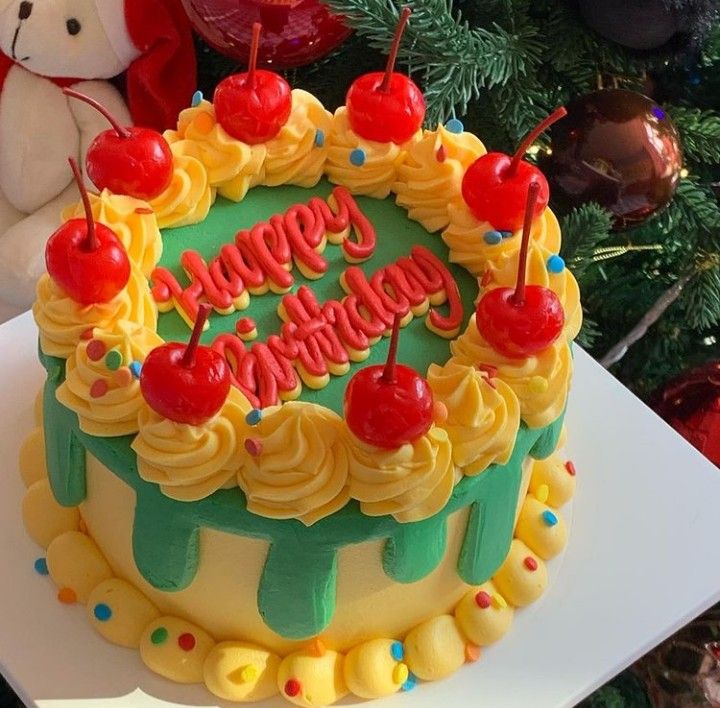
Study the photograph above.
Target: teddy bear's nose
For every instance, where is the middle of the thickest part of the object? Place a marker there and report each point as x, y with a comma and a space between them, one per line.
25, 10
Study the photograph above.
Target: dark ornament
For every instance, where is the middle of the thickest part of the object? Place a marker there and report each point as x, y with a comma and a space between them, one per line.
617, 148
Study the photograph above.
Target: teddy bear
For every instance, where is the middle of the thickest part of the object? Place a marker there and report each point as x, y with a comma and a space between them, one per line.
46, 45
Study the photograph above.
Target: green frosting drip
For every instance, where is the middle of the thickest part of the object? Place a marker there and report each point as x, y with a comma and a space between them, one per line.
416, 549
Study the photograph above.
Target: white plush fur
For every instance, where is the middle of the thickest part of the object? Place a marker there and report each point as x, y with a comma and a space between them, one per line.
40, 128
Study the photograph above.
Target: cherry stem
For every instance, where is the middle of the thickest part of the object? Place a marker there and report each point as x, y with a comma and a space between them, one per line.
388, 375
395, 48
188, 359
254, 49
119, 129
91, 243
518, 297
532, 136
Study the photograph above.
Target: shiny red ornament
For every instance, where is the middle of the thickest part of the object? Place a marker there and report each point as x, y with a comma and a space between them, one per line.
254, 105
186, 383
386, 106
86, 259
391, 405
133, 161
495, 185
296, 32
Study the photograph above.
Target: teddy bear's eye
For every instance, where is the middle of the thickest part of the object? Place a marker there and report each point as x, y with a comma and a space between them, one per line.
73, 26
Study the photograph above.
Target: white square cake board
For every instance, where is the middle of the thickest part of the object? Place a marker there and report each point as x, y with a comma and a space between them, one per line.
643, 559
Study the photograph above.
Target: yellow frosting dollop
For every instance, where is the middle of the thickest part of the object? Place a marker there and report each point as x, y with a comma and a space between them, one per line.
541, 529
465, 237
541, 382
301, 466
431, 176
522, 577
435, 649
411, 483
62, 321
133, 222
319, 679
553, 478
379, 169
483, 615
296, 155
242, 672
190, 462
483, 415
372, 669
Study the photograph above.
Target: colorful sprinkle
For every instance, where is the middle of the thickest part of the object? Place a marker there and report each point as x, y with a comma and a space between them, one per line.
441, 154
658, 112
136, 368
248, 673
40, 566
87, 334
549, 518
492, 238
144, 211
319, 138
99, 388
292, 687
498, 601
410, 683
197, 99
67, 596
397, 651
530, 563
483, 600
400, 674
506, 234
570, 467
254, 446
113, 360
102, 612
186, 641
317, 647
486, 279
488, 369
472, 652
96, 350
123, 377
555, 264
454, 125
159, 636
357, 157
542, 493
254, 416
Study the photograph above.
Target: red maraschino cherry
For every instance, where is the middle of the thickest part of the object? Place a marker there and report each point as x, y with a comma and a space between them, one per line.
86, 259
525, 320
386, 106
388, 406
254, 105
186, 383
132, 161
495, 185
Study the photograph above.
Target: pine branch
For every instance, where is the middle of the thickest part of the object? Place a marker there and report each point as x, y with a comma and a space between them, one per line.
700, 131
584, 229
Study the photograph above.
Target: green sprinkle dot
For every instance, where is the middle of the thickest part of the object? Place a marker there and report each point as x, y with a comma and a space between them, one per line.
159, 636
113, 360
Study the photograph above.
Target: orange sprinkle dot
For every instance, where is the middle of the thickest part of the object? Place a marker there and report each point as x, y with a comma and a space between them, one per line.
144, 211
472, 652
67, 596
317, 647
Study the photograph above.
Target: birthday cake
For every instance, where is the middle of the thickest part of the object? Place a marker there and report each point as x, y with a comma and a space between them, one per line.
306, 379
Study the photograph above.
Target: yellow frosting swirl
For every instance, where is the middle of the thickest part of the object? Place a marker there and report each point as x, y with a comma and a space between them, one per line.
412, 482
232, 166
190, 462
483, 415
62, 321
503, 273
189, 197
376, 176
132, 221
115, 411
296, 155
301, 469
465, 237
540, 382
431, 176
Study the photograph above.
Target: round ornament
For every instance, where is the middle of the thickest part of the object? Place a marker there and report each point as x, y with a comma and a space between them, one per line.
295, 32
618, 148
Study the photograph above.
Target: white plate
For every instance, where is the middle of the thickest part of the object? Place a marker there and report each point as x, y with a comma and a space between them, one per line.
642, 560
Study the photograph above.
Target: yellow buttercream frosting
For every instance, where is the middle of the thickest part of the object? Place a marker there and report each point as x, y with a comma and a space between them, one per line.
296, 155
190, 462
301, 466
62, 321
412, 482
431, 176
380, 161
483, 415
541, 382
106, 398
465, 237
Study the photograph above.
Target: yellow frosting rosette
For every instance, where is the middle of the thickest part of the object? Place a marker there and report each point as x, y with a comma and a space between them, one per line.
233, 167
99, 385
296, 155
133, 222
63, 322
483, 415
299, 465
465, 237
190, 462
431, 176
411, 483
363, 166
541, 382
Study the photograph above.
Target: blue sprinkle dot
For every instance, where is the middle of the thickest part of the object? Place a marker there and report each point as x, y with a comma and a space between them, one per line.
658, 112
454, 125
136, 367
254, 416
506, 234
197, 99
549, 518
397, 651
357, 157
492, 238
555, 264
102, 612
319, 138
410, 683
41, 566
